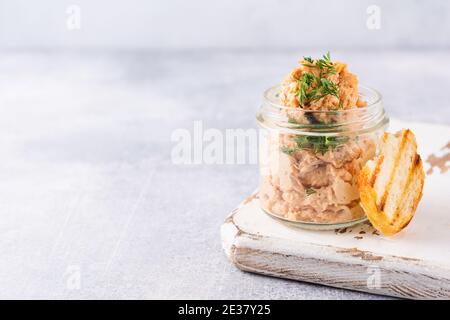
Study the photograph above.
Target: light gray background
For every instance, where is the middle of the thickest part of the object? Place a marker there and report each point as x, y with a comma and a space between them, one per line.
87, 187
180, 24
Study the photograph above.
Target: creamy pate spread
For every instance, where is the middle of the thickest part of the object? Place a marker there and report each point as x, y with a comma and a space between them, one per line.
313, 178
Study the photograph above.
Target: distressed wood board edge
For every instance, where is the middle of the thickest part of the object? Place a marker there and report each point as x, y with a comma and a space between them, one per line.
332, 266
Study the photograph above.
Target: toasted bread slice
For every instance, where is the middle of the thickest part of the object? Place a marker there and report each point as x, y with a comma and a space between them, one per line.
390, 186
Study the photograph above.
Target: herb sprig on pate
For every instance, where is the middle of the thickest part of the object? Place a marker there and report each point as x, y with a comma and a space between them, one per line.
313, 87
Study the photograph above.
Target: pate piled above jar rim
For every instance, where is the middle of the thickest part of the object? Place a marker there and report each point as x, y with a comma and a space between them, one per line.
358, 120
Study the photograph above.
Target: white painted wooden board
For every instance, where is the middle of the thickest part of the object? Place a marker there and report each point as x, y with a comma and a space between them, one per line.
412, 264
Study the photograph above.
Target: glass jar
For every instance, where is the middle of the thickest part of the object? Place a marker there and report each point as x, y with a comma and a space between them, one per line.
310, 160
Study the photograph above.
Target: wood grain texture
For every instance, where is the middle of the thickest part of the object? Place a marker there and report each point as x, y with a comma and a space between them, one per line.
348, 268
414, 264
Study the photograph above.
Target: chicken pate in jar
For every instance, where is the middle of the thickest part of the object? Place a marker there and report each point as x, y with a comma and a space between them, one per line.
319, 129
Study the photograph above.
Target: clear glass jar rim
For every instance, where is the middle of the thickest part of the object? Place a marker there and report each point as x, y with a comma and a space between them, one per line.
356, 120
271, 96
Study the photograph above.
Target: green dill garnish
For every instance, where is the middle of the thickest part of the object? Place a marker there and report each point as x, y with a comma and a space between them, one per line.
310, 191
329, 87
312, 87
325, 65
319, 144
302, 141
309, 60
289, 151
308, 126
307, 93
313, 123
292, 120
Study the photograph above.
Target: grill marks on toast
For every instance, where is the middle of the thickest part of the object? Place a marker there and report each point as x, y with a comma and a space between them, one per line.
410, 200
391, 189
376, 171
403, 179
394, 170
409, 182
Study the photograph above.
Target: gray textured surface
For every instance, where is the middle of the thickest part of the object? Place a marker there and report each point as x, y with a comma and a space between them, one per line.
86, 181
